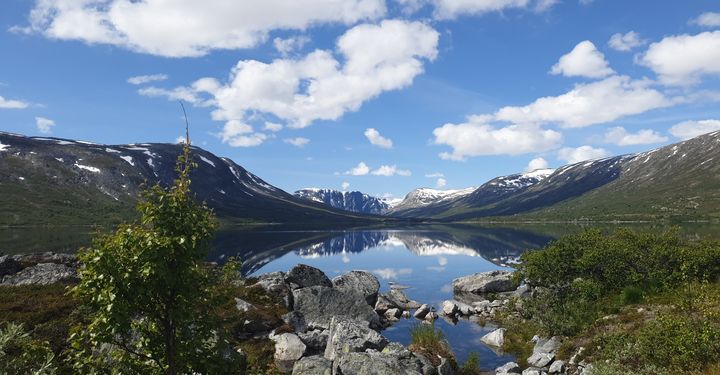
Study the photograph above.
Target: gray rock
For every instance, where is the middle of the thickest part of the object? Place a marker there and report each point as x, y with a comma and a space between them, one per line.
393, 314
495, 338
304, 276
315, 341
319, 304
508, 368
313, 365
574, 358
42, 274
485, 282
8, 266
351, 336
540, 359
360, 281
296, 320
398, 298
242, 305
449, 308
547, 346
405, 314
533, 371
383, 304
377, 363
481, 306
445, 368
288, 349
557, 367
431, 316
422, 311
47, 257
274, 284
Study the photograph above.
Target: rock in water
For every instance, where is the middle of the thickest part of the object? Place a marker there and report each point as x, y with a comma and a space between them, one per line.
288, 349
485, 282
495, 338
398, 298
351, 336
360, 281
42, 274
304, 276
319, 304
449, 308
314, 365
422, 311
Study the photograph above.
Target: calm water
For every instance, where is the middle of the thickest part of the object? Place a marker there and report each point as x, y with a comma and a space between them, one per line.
424, 259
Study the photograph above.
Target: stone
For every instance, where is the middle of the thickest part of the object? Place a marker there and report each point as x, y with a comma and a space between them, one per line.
508, 368
495, 338
42, 274
449, 308
383, 304
422, 311
9, 266
274, 285
445, 368
496, 303
304, 276
465, 309
398, 298
431, 316
574, 358
540, 359
378, 363
296, 320
351, 336
242, 306
497, 281
313, 365
557, 367
47, 257
405, 314
393, 314
359, 281
481, 306
547, 346
319, 304
522, 291
315, 341
288, 349
533, 371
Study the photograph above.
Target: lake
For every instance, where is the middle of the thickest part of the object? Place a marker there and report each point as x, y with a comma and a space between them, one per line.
423, 258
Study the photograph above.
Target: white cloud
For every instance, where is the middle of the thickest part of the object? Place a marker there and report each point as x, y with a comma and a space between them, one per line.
392, 273
440, 183
690, 129
185, 94
583, 61
272, 127
139, 80
434, 175
239, 134
44, 124
588, 104
181, 28
537, 163
707, 19
12, 104
476, 138
376, 139
543, 5
683, 59
345, 185
297, 142
289, 45
180, 139
621, 137
361, 170
626, 42
449, 9
391, 170
575, 155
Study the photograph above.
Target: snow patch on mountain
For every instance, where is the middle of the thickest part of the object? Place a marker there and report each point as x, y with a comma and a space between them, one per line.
4, 147
87, 168
207, 160
426, 196
128, 159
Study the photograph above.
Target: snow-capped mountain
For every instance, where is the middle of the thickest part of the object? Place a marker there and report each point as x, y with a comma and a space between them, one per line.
354, 201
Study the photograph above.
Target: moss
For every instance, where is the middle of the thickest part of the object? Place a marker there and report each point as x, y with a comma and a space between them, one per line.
259, 354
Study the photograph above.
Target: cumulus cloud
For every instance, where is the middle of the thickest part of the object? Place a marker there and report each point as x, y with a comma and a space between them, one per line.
185, 94
449, 9
583, 61
272, 127
626, 42
621, 137
440, 183
537, 163
297, 142
12, 104
434, 175
361, 170
477, 138
289, 45
182, 29
391, 170
239, 134
588, 104
575, 155
345, 185
376, 139
690, 129
43, 124
139, 80
682, 60
707, 19
392, 273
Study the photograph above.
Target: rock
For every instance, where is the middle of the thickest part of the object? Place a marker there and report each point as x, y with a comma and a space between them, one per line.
445, 368
288, 349
481, 306
522, 291
398, 298
485, 282
422, 311
378, 363
8, 266
360, 281
296, 320
47, 257
274, 284
431, 316
383, 304
465, 309
496, 303
495, 338
574, 358
319, 304
42, 274
533, 371
540, 359
557, 367
393, 314
242, 305
313, 365
315, 341
304, 276
449, 308
508, 368
547, 346
351, 336
405, 314
587, 370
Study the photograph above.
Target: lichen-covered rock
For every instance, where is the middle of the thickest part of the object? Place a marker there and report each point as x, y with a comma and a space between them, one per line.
497, 281
495, 338
274, 285
313, 365
288, 349
398, 299
508, 369
533, 371
349, 336
42, 274
359, 281
304, 276
540, 359
319, 304
378, 363
315, 341
547, 346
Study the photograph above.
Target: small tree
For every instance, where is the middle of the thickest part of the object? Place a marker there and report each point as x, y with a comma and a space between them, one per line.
148, 293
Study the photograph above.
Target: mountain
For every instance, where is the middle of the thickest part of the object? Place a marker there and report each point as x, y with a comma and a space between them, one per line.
354, 201
679, 181
419, 201
52, 181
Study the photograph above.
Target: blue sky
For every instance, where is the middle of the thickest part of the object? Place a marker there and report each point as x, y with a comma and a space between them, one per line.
455, 92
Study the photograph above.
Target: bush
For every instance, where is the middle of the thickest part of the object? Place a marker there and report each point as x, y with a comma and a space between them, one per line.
632, 295
20, 354
471, 365
429, 341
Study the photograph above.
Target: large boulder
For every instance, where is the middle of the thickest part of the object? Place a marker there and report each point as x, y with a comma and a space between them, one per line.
422, 311
360, 281
547, 346
9, 266
495, 338
303, 276
315, 341
47, 257
42, 274
485, 282
274, 285
288, 349
350, 336
319, 304
313, 365
449, 308
397, 298
540, 359
379, 363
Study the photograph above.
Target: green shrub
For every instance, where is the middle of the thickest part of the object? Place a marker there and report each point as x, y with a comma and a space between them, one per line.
20, 354
429, 341
632, 295
471, 365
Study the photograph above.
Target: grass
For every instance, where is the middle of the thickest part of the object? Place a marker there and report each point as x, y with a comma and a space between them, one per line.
429, 341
